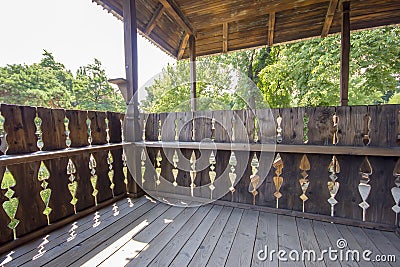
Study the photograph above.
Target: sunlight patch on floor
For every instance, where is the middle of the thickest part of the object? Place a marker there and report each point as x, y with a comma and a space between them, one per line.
108, 251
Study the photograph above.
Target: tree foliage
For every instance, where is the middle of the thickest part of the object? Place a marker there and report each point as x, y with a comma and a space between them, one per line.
305, 73
49, 84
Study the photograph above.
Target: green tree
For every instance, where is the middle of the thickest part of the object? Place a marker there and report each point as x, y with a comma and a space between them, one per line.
47, 83
307, 73
92, 90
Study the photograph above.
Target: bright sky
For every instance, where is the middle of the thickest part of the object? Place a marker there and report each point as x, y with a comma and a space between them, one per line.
76, 32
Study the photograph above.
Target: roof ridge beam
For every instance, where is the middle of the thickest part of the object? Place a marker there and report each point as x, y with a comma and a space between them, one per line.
178, 15
153, 21
329, 17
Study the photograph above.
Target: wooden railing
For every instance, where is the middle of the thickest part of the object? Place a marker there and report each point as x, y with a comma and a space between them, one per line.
57, 165
339, 164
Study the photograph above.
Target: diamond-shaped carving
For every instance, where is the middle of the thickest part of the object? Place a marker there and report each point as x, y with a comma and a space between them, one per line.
332, 201
364, 205
396, 208
303, 197
9, 194
278, 195
175, 184
212, 187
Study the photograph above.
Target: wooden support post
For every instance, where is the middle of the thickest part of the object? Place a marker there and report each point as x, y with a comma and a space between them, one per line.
130, 42
192, 46
345, 54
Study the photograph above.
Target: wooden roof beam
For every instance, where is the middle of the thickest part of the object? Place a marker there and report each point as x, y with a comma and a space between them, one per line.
329, 17
224, 37
183, 45
153, 21
271, 28
177, 14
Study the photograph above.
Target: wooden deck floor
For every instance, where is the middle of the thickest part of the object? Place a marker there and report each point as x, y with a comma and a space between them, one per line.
144, 233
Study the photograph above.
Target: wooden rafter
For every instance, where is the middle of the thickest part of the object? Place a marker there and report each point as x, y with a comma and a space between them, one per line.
271, 29
153, 21
329, 17
182, 46
225, 37
177, 14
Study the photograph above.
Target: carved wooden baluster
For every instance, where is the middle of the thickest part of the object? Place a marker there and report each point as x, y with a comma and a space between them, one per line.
396, 191
88, 122
278, 179
232, 174
366, 131
306, 119
279, 137
3, 137
110, 161
93, 177
158, 167
72, 186
213, 129
254, 178
143, 163
398, 128
144, 130
67, 132
193, 172
176, 121
175, 160
304, 182
333, 186
159, 131
364, 188
38, 123
125, 171
107, 130
212, 173
233, 128
335, 139
10, 206
43, 176
256, 129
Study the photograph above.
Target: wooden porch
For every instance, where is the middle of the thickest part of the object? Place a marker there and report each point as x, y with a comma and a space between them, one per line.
143, 232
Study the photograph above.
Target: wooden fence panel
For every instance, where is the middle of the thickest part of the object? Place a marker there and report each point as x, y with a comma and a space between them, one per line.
98, 128
21, 138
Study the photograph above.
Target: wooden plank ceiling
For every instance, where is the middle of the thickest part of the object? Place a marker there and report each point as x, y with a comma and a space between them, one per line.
221, 26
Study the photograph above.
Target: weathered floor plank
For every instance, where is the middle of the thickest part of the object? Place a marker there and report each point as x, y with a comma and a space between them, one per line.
137, 242
102, 240
189, 249
334, 235
142, 232
288, 240
206, 248
243, 244
28, 251
308, 242
166, 256
324, 243
266, 240
188, 216
221, 251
